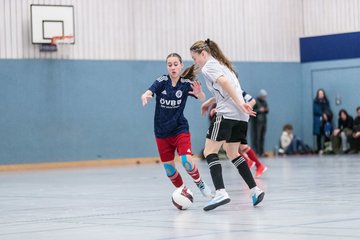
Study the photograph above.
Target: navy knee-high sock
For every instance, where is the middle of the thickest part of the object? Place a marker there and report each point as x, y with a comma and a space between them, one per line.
215, 170
244, 171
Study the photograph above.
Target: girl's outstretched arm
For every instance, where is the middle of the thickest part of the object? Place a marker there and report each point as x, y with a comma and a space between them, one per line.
146, 97
224, 83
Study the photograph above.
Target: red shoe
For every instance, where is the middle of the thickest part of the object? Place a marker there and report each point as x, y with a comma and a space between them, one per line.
260, 170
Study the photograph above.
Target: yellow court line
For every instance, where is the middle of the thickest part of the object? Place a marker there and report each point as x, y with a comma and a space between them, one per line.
77, 164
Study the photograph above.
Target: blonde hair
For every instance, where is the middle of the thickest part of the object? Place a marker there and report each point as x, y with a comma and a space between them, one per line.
212, 48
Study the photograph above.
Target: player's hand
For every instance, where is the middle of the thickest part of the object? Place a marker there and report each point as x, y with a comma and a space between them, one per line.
212, 112
204, 108
196, 88
248, 109
145, 98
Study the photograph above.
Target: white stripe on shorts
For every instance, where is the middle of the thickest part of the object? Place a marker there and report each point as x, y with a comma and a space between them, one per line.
215, 130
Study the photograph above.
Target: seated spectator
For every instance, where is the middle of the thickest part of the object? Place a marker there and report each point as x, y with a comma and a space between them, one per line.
339, 138
354, 138
290, 144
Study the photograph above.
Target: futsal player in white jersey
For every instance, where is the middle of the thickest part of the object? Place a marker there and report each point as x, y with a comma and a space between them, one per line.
230, 125
245, 150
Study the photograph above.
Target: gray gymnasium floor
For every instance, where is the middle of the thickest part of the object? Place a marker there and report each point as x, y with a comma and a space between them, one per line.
313, 197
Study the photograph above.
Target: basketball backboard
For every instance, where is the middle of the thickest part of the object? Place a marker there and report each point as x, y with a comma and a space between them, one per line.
48, 21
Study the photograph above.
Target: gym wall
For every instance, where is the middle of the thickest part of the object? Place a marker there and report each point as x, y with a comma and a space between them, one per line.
84, 102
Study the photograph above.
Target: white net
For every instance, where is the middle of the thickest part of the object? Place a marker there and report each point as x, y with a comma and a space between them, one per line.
64, 44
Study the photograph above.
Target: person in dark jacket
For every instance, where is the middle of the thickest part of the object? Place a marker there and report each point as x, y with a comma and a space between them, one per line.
258, 123
354, 139
322, 114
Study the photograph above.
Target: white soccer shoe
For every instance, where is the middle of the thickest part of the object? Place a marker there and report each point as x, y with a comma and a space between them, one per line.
221, 198
257, 195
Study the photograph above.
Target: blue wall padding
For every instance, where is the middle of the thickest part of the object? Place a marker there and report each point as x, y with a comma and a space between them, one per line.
61, 110
330, 47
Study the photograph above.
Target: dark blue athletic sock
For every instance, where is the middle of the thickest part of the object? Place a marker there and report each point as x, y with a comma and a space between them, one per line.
244, 171
215, 170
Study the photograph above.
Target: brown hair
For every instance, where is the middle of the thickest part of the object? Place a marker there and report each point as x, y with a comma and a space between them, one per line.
190, 72
317, 95
174, 55
212, 48
287, 127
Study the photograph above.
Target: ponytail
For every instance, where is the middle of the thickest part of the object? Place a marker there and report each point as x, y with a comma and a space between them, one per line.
212, 48
190, 72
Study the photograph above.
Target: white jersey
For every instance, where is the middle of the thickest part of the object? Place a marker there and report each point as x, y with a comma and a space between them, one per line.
225, 106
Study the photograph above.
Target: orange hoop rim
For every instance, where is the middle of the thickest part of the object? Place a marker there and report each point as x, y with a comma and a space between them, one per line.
56, 38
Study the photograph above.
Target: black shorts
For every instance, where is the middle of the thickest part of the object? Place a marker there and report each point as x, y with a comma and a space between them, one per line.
227, 129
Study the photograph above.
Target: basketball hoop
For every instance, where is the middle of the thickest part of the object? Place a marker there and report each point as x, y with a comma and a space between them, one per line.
62, 39
55, 42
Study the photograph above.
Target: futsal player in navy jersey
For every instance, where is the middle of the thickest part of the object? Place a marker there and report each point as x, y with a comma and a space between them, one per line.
170, 126
230, 125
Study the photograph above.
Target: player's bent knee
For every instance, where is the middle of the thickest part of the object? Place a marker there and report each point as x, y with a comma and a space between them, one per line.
188, 165
170, 169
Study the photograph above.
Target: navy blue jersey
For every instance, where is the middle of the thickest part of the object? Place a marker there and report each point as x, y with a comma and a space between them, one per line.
247, 97
170, 104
